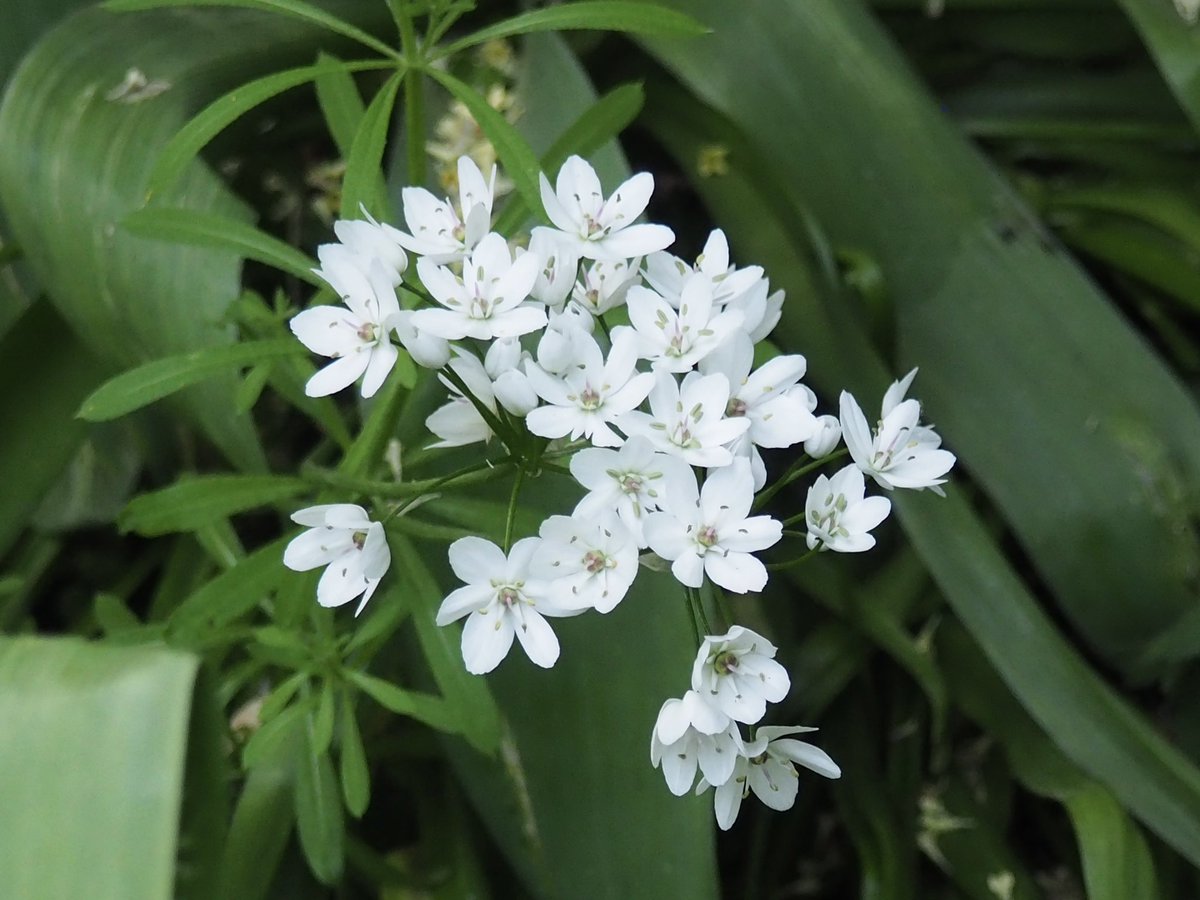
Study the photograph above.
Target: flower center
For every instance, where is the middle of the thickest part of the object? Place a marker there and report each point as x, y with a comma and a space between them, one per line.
359, 538
726, 663
368, 333
681, 435
509, 596
590, 399
593, 227
707, 536
736, 407
630, 483
595, 561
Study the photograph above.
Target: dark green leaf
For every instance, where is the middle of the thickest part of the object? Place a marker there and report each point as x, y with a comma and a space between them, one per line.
277, 734
318, 810
433, 711
356, 776
200, 500
262, 824
340, 102
150, 382
363, 184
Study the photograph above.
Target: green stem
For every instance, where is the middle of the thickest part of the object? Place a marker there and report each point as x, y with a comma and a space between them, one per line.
697, 604
479, 473
490, 417
697, 633
512, 509
414, 94
428, 531
792, 563
796, 470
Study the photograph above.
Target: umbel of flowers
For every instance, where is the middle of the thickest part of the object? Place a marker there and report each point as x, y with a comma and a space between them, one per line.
659, 421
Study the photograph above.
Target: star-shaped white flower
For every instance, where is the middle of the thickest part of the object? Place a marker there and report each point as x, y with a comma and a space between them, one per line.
592, 393
357, 336
690, 733
368, 240
501, 601
839, 517
354, 550
604, 284
630, 481
599, 228
688, 419
667, 273
710, 530
737, 673
488, 301
675, 339
594, 560
767, 766
560, 264
900, 453
440, 232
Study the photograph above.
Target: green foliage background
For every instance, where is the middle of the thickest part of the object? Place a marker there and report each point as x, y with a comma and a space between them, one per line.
1003, 192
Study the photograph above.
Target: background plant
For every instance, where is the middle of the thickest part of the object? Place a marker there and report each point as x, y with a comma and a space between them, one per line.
1028, 652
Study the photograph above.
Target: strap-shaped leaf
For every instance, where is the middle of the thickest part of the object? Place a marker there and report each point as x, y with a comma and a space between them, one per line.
294, 8
363, 185
155, 380
319, 820
193, 502
433, 711
340, 101
597, 15
227, 597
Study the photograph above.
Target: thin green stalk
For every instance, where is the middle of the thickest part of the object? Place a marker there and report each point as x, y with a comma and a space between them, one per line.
792, 563
697, 632
797, 470
414, 94
697, 604
480, 473
512, 509
488, 416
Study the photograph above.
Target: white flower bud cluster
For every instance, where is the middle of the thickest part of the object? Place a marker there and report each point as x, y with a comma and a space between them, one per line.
672, 404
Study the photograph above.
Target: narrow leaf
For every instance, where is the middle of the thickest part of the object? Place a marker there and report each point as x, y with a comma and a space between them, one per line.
433, 711
195, 501
319, 810
155, 380
356, 775
185, 226
363, 184
596, 15
340, 102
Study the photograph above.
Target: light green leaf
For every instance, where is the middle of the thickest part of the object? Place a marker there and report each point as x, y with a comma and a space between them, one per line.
185, 226
150, 382
518, 159
322, 719
277, 735
1174, 43
294, 8
319, 810
597, 15
262, 824
340, 102
106, 829
363, 184
200, 500
356, 775
433, 711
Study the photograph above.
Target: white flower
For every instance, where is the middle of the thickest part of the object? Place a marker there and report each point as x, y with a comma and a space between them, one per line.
690, 733
440, 233
459, 422
839, 517
501, 601
629, 481
504, 363
772, 311
709, 532
778, 406
592, 393
369, 240
597, 228
900, 453
342, 537
767, 766
559, 345
356, 336
604, 284
688, 420
427, 350
676, 339
825, 439
560, 263
488, 301
594, 560
737, 673
667, 273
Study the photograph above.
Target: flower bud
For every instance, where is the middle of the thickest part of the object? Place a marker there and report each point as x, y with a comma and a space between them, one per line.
556, 277
826, 438
513, 392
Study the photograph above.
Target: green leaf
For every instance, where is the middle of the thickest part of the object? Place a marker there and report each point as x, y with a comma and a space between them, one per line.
363, 184
53, 372
340, 102
180, 151
356, 775
518, 159
318, 809
433, 711
598, 15
468, 695
150, 382
276, 735
185, 226
1175, 45
294, 8
107, 829
323, 718
200, 500
262, 824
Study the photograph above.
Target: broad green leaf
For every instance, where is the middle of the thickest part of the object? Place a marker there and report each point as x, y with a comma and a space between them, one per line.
433, 711
318, 809
467, 694
356, 775
107, 828
1116, 860
150, 382
184, 226
1175, 45
294, 8
53, 373
1085, 718
200, 500
597, 15
98, 482
1007, 330
340, 102
363, 184
181, 150
518, 159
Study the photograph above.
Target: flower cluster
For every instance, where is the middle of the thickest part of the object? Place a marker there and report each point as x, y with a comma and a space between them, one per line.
663, 420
